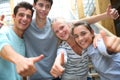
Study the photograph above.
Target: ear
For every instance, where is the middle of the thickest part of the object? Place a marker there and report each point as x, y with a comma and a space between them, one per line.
13, 16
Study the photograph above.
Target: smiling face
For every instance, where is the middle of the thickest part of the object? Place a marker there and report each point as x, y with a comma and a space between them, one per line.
22, 19
83, 36
61, 29
42, 8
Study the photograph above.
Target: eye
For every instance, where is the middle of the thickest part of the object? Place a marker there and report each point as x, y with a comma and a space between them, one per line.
56, 32
83, 33
47, 6
75, 36
62, 27
40, 5
21, 14
29, 16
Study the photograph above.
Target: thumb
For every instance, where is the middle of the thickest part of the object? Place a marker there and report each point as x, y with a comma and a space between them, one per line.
37, 59
109, 9
62, 59
103, 34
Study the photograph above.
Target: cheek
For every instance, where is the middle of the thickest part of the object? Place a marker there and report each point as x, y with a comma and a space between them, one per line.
29, 21
58, 35
90, 39
76, 40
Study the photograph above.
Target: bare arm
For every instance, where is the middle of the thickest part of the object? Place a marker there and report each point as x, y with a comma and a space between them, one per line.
9, 54
110, 13
24, 66
95, 18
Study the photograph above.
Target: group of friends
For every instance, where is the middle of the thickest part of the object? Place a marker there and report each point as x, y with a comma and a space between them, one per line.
41, 48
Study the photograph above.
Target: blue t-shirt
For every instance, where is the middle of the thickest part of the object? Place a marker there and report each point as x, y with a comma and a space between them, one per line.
8, 69
41, 41
108, 66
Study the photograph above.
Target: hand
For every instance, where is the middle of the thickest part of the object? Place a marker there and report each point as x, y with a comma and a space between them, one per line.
26, 67
1, 20
112, 43
112, 12
58, 69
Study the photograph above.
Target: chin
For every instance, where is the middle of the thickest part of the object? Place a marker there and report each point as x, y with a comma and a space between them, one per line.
84, 47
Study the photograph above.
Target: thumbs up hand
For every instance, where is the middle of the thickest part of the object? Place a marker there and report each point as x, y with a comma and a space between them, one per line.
112, 43
57, 68
112, 12
25, 66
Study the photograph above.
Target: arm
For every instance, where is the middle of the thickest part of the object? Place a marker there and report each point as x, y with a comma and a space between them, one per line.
95, 18
110, 13
24, 66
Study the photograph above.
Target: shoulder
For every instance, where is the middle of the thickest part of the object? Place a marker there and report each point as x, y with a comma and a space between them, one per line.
102, 48
5, 29
49, 19
63, 44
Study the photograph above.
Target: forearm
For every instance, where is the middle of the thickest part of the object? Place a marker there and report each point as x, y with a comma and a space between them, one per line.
95, 18
9, 54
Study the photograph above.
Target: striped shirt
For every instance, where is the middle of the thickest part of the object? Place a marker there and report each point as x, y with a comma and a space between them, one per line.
76, 66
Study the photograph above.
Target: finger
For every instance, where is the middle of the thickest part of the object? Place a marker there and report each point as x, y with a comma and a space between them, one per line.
118, 48
103, 34
54, 72
37, 59
54, 75
2, 17
115, 44
26, 70
116, 14
62, 59
57, 70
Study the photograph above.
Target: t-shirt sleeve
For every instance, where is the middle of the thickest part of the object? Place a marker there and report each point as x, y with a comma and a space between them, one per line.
3, 38
102, 48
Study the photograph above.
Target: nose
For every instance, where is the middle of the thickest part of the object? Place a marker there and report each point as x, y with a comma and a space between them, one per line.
43, 8
80, 38
25, 17
60, 31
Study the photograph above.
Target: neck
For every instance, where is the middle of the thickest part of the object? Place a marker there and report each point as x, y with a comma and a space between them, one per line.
71, 40
18, 32
40, 22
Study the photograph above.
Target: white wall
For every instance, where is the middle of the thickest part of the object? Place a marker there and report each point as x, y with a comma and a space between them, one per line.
62, 8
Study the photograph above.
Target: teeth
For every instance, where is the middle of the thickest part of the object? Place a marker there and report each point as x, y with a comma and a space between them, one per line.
82, 42
62, 35
23, 23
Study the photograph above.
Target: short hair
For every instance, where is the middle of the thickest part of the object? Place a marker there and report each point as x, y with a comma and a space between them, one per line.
25, 5
51, 1
78, 23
